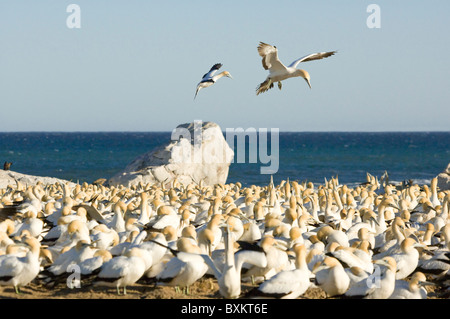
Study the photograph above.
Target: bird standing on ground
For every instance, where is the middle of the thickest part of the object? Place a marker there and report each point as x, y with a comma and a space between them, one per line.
122, 271
211, 77
20, 271
331, 277
288, 284
412, 289
278, 71
384, 284
7, 166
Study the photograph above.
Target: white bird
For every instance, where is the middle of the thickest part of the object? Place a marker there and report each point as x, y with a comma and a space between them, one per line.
251, 231
103, 237
439, 263
134, 238
331, 277
288, 284
31, 223
329, 235
277, 259
412, 289
211, 77
90, 265
352, 257
392, 245
7, 226
356, 274
184, 268
209, 236
229, 278
31, 202
76, 231
407, 258
19, 271
381, 287
278, 71
145, 209
71, 255
122, 271
166, 216
117, 222
155, 251
434, 193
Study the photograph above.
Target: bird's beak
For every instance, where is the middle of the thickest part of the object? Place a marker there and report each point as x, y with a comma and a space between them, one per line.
419, 245
279, 245
375, 220
309, 83
380, 262
426, 283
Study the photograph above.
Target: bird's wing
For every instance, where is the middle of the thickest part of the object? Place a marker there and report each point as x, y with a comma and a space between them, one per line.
173, 267
360, 289
212, 266
92, 212
89, 265
10, 267
270, 59
115, 268
212, 71
312, 57
282, 283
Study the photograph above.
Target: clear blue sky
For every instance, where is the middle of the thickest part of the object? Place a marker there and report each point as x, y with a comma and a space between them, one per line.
134, 65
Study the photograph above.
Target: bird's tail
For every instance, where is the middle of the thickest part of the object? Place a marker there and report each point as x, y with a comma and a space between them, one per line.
264, 86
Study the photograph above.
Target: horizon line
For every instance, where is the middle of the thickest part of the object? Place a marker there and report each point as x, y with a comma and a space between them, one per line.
287, 131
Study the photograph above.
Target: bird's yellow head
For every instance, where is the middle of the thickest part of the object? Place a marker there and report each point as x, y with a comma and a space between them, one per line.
304, 74
227, 74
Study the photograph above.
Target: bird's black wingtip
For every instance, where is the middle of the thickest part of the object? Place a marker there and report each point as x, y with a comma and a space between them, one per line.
216, 66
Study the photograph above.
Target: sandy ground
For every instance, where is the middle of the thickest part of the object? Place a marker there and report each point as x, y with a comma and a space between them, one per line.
205, 288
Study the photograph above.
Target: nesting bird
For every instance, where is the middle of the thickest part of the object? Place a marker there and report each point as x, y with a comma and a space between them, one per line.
19, 271
122, 271
350, 242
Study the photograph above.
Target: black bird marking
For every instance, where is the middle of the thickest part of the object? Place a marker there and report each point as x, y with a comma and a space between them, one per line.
216, 66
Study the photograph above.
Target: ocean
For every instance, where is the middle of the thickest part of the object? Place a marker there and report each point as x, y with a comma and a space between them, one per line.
303, 156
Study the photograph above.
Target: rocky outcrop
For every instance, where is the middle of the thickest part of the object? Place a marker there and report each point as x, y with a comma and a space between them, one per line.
10, 178
196, 152
443, 179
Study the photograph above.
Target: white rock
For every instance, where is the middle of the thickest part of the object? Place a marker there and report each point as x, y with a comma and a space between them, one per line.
197, 151
10, 177
444, 179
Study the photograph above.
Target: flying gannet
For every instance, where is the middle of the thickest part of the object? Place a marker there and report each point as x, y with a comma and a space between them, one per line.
278, 71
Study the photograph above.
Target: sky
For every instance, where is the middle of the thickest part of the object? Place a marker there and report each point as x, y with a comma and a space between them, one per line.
134, 65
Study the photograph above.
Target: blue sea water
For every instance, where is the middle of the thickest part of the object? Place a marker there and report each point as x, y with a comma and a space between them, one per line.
303, 156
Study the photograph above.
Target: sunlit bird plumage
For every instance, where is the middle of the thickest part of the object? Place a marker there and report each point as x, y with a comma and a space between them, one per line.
211, 77
278, 71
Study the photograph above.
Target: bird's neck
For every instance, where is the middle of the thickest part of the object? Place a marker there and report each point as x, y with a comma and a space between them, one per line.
218, 76
300, 261
299, 72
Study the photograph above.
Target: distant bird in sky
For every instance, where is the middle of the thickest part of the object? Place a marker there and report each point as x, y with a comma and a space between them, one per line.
278, 71
209, 78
